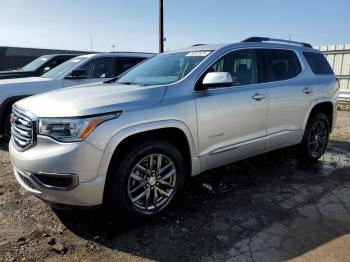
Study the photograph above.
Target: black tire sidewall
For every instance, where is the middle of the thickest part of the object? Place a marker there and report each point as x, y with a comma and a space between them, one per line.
304, 145
118, 195
7, 126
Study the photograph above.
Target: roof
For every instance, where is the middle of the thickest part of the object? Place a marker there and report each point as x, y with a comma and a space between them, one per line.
273, 43
119, 54
53, 55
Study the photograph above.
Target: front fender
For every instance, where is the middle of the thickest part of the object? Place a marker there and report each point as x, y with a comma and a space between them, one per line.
136, 129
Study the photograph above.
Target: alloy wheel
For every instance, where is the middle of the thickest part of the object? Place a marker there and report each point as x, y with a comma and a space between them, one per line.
317, 141
152, 182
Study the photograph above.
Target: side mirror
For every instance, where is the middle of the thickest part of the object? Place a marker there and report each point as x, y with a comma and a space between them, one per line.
217, 79
78, 74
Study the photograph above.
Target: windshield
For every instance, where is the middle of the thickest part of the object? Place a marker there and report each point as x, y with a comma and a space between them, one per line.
35, 64
164, 68
60, 70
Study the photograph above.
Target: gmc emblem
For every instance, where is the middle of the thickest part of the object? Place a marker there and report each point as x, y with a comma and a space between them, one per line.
13, 119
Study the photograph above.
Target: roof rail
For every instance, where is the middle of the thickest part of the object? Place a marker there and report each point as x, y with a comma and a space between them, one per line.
129, 52
198, 44
267, 39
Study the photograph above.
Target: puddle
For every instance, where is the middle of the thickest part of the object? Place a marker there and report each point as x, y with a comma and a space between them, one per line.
282, 165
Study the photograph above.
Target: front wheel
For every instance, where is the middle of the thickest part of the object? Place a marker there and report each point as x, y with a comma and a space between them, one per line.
6, 129
316, 137
147, 179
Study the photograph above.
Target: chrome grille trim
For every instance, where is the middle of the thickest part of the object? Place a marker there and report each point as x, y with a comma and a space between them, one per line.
23, 129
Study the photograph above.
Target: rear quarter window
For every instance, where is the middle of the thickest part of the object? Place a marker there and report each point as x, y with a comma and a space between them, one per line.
318, 63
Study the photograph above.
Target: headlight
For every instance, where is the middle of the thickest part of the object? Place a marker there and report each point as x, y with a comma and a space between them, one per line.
72, 129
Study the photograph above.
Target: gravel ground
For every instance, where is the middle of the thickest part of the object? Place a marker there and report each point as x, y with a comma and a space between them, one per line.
268, 208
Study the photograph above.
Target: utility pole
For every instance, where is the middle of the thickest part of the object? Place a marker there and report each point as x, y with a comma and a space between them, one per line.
161, 27
91, 41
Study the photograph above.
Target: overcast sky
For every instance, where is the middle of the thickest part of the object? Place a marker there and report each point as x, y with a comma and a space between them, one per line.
132, 25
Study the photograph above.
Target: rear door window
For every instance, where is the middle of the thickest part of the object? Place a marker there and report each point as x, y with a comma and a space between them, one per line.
318, 63
279, 65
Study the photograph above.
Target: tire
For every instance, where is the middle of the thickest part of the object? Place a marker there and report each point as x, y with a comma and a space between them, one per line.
133, 177
8, 126
316, 137
7, 129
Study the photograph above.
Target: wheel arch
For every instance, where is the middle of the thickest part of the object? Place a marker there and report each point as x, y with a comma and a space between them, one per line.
154, 130
6, 108
326, 107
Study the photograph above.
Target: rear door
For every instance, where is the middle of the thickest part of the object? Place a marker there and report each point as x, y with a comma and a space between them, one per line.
290, 97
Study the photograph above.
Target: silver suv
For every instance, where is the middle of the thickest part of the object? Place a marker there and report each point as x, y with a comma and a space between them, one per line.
132, 142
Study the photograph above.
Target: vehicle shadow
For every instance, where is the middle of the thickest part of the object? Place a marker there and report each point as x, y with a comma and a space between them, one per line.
221, 207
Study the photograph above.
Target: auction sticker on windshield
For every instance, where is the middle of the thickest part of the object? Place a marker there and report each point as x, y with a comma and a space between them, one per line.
75, 60
198, 53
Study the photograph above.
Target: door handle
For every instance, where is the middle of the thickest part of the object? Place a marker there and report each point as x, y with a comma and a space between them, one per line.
258, 97
308, 90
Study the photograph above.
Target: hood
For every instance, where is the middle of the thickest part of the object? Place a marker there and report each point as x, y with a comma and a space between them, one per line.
23, 80
15, 74
92, 99
27, 86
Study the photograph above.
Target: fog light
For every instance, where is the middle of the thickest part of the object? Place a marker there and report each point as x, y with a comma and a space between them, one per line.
56, 181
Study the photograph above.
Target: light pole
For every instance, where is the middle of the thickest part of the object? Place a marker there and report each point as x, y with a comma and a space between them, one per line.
113, 46
161, 27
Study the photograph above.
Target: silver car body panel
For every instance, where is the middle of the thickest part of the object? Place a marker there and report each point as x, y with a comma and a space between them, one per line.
222, 124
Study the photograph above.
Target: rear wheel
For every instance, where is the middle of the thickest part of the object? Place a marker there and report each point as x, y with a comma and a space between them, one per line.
316, 137
147, 179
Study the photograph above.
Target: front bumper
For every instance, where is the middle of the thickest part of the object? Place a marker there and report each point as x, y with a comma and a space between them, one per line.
76, 163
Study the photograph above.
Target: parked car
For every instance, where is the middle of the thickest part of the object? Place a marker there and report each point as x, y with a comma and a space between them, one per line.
130, 144
85, 69
38, 66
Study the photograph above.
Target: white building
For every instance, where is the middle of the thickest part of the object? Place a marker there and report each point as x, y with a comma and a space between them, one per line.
338, 57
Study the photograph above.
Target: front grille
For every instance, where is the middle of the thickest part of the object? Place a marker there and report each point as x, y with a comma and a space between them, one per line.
23, 129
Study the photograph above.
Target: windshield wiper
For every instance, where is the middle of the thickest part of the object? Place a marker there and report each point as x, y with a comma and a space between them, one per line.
130, 83
126, 83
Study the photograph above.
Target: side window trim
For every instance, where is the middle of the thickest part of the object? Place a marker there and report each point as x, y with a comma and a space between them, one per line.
256, 48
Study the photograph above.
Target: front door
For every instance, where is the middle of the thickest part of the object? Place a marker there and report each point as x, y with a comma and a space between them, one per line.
232, 120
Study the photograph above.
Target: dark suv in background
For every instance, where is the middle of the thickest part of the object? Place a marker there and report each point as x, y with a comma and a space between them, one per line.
37, 67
